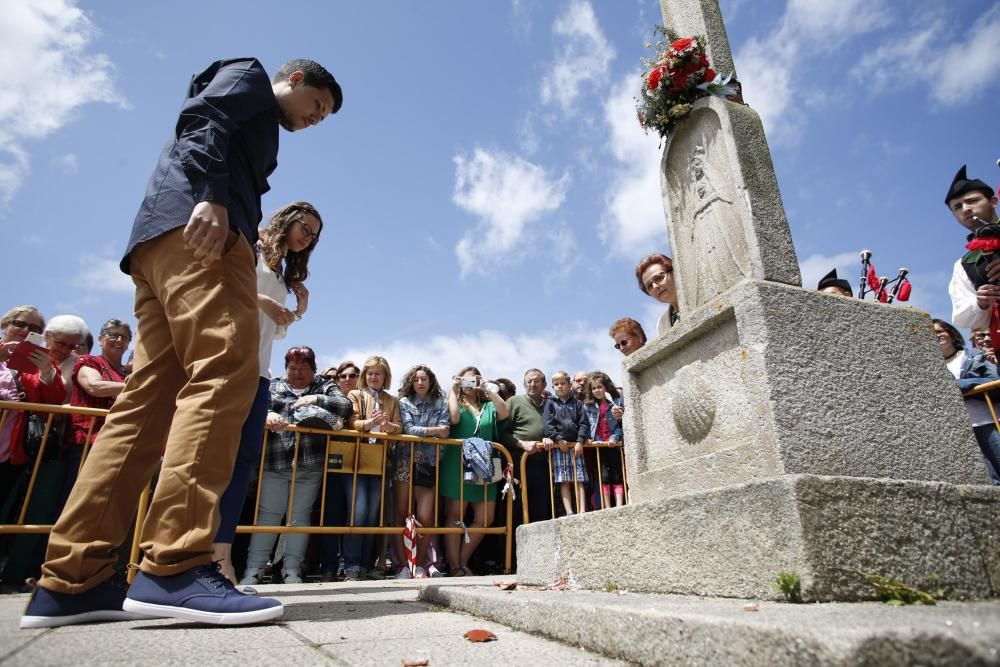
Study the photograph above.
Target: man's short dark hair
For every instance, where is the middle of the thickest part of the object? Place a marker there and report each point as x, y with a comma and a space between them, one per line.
316, 76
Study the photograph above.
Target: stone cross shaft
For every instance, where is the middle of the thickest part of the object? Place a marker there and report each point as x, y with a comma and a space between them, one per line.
725, 219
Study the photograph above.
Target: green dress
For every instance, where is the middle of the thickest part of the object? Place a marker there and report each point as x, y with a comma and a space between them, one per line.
451, 461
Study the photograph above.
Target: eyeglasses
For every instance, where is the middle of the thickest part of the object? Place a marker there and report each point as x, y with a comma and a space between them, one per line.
308, 232
21, 324
347, 376
118, 336
658, 279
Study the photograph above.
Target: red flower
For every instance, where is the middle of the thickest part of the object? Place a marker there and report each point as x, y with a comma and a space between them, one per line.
681, 44
709, 74
654, 77
989, 244
703, 60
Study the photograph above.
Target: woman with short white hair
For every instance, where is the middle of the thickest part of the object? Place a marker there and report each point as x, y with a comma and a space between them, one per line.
63, 335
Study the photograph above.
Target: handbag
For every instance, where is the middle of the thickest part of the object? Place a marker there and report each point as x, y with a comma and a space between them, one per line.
34, 431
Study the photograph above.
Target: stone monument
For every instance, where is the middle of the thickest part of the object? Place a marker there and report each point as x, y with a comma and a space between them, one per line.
775, 428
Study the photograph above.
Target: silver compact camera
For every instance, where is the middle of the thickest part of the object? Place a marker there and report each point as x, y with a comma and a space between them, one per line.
468, 382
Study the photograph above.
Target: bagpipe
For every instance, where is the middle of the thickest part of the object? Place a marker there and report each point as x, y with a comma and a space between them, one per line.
883, 289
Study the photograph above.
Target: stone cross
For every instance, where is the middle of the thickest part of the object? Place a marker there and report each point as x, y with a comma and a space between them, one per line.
725, 218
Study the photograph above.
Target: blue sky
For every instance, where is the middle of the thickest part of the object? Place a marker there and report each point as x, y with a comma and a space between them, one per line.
486, 188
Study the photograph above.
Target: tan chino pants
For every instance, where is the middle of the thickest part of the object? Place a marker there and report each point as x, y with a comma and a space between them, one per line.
195, 377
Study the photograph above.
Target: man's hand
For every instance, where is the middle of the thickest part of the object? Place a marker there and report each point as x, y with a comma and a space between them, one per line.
564, 446
578, 449
275, 422
305, 400
206, 231
547, 443
986, 295
993, 270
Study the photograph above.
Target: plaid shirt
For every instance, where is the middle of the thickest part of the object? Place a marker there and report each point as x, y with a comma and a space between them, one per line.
417, 416
312, 450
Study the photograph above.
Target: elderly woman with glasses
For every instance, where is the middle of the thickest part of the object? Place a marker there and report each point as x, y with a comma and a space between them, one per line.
97, 380
300, 388
63, 335
655, 274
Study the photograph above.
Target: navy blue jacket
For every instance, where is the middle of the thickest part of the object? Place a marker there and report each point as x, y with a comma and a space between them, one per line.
565, 420
224, 147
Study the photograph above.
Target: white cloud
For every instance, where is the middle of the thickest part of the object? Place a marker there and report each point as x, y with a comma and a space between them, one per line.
507, 193
583, 58
48, 73
955, 70
98, 274
495, 353
633, 222
766, 66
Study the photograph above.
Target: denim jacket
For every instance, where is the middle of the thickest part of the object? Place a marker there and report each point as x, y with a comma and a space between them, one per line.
593, 413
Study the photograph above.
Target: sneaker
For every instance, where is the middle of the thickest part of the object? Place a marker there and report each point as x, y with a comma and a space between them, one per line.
291, 577
103, 602
433, 572
404, 573
352, 574
419, 573
201, 594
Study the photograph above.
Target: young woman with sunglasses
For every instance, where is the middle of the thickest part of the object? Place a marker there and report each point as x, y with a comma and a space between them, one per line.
286, 243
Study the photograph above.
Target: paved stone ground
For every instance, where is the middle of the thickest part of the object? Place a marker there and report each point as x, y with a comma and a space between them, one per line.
356, 623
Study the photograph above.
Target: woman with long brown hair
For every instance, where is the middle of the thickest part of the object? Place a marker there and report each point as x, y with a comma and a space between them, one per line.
475, 410
283, 252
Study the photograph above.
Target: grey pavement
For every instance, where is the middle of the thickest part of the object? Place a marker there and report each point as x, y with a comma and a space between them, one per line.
350, 623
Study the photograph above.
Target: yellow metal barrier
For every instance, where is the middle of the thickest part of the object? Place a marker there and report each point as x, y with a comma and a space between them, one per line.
357, 456
579, 502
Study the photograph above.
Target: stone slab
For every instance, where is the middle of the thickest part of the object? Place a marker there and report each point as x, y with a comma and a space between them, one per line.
732, 541
359, 623
678, 630
770, 379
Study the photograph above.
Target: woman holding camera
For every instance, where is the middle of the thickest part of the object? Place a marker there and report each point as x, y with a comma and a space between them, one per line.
475, 410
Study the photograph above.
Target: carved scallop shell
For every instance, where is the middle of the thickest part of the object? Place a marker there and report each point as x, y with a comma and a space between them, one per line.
693, 403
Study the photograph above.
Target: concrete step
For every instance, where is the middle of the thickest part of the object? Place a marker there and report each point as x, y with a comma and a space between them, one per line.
350, 623
655, 629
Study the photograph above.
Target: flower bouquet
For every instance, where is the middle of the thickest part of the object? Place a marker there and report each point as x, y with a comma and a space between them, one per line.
678, 76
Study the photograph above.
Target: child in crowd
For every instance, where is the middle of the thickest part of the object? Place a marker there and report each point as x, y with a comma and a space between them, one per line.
601, 403
565, 422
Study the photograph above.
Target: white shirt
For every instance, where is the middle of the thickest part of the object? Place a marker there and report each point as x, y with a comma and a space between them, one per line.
965, 312
664, 323
273, 286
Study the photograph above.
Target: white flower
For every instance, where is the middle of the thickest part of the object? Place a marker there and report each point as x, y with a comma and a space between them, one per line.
719, 86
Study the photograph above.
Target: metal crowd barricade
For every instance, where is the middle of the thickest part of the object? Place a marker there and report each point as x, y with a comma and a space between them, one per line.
983, 391
578, 501
354, 454
357, 456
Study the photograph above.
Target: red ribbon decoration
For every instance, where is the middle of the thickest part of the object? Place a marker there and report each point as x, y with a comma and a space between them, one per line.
873, 282
904, 291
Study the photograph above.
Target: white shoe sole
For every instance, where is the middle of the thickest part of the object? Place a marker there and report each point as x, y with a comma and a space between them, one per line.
29, 622
209, 617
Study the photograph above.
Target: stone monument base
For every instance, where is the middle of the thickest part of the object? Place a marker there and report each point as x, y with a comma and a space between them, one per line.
649, 629
733, 541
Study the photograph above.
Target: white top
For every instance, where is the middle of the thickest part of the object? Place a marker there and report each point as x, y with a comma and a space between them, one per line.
273, 286
954, 364
663, 323
965, 312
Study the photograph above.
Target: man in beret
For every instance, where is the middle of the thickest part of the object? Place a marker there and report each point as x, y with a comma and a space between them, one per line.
973, 285
831, 284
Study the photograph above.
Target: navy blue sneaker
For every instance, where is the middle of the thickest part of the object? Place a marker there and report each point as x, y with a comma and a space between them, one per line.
103, 602
202, 594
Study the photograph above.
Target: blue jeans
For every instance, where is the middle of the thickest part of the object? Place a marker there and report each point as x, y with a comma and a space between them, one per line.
247, 463
334, 514
274, 505
359, 549
989, 444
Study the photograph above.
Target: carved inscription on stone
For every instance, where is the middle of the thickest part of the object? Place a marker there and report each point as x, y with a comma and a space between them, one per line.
706, 210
